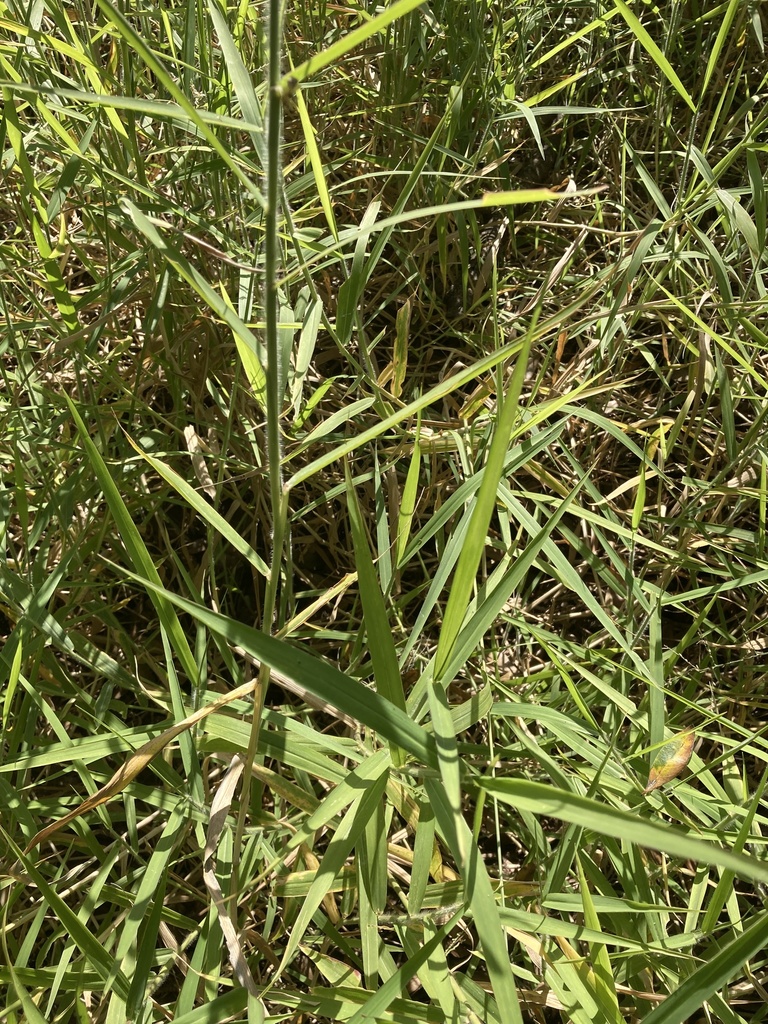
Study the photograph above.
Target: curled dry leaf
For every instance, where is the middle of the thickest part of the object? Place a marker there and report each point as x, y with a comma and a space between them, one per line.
196, 451
138, 761
671, 759
220, 807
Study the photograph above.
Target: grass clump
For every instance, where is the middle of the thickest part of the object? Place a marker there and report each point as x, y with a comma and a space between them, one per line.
384, 499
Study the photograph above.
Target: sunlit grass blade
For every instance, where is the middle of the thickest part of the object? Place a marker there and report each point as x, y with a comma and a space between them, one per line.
613, 821
378, 628
352, 39
320, 678
204, 509
216, 303
316, 161
502, 585
344, 838
434, 394
710, 977
466, 568
715, 53
481, 900
657, 55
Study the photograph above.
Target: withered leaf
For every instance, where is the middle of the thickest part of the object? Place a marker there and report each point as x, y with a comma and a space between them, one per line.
671, 759
137, 762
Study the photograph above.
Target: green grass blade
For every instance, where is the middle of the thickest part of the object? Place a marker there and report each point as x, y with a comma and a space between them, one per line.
93, 951
204, 509
344, 839
241, 82
602, 971
481, 901
137, 549
316, 162
433, 395
706, 980
317, 676
656, 54
141, 47
375, 1007
377, 626
348, 43
351, 290
717, 47
466, 569
603, 819
215, 302
724, 887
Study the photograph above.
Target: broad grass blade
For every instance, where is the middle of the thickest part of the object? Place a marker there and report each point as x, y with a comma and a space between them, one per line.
377, 625
603, 819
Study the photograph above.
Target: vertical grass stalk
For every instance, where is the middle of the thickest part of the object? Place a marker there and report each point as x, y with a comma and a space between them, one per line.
274, 375
271, 276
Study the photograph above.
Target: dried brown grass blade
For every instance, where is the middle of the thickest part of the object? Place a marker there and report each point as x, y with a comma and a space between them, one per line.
138, 761
220, 807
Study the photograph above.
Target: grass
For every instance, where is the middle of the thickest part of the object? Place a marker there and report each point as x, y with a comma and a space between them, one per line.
383, 487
